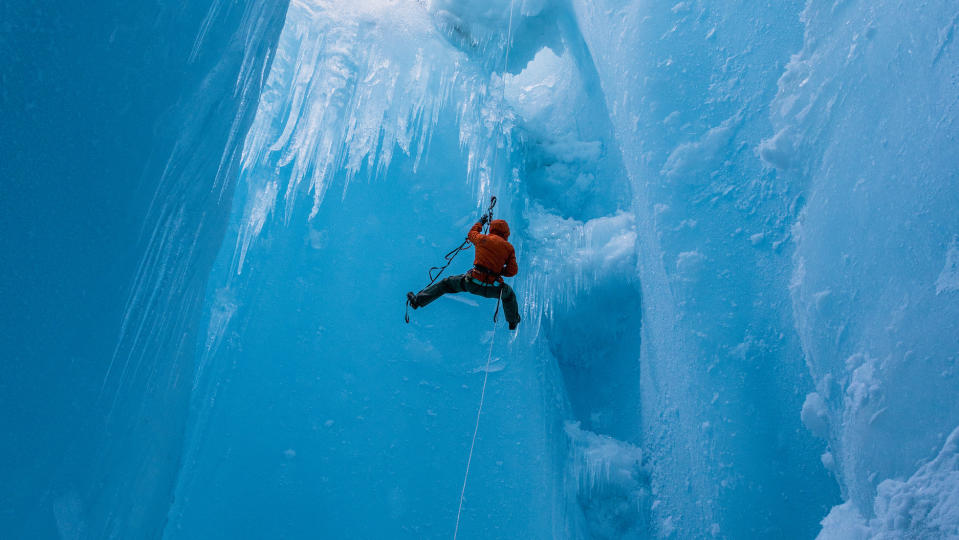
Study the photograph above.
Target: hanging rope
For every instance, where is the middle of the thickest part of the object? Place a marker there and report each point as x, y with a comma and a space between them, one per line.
437, 271
479, 412
489, 357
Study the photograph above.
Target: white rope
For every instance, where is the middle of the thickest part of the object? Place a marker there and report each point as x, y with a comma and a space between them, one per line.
489, 357
479, 412
509, 36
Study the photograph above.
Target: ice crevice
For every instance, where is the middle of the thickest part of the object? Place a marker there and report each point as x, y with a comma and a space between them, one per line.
689, 364
738, 238
338, 109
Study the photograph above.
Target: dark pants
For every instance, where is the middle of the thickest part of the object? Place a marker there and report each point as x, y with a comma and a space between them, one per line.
462, 282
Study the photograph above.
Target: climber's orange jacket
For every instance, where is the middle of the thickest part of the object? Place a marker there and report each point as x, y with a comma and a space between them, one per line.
494, 255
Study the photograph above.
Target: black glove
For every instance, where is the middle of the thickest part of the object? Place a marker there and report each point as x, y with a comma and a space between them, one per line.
484, 219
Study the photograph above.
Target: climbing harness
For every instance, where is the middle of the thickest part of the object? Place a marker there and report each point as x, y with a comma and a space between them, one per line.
437, 271
480, 269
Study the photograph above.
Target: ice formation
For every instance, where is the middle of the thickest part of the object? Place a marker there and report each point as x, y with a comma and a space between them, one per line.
736, 227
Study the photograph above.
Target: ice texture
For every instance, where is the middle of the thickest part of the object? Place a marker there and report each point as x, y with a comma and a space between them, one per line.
948, 280
926, 505
879, 331
721, 364
739, 263
122, 127
607, 477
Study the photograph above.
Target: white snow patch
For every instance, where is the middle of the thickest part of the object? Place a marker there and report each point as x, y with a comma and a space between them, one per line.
815, 415
948, 280
844, 522
600, 460
689, 264
612, 485
864, 387
495, 366
462, 299
828, 461
317, 238
924, 506
779, 150
689, 159
667, 527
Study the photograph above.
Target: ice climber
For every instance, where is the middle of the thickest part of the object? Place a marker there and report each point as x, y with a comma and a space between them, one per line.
495, 258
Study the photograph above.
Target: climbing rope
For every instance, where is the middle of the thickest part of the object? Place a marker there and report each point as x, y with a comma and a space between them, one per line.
479, 412
489, 357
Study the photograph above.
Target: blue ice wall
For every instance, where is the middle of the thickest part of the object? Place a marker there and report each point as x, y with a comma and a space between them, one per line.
121, 129
736, 230
367, 158
841, 210
866, 118
723, 370
322, 413
317, 411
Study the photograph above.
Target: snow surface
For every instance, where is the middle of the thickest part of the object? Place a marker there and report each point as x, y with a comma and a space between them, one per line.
736, 227
926, 505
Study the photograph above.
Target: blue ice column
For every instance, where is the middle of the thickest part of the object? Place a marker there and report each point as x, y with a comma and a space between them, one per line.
121, 127
866, 116
688, 88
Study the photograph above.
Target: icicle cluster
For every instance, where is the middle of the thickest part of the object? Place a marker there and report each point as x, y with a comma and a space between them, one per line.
352, 83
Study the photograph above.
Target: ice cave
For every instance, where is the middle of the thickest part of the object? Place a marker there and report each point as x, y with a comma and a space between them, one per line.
737, 234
